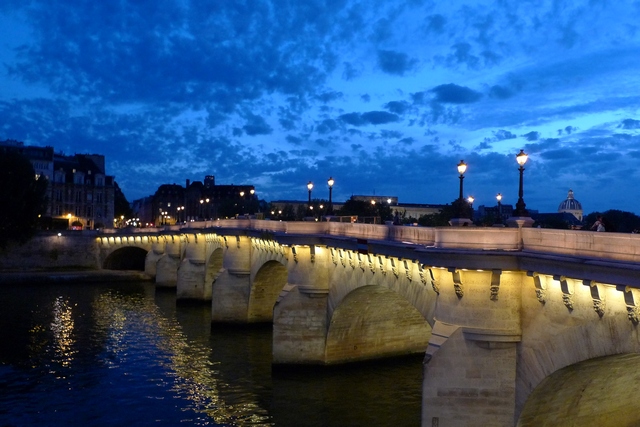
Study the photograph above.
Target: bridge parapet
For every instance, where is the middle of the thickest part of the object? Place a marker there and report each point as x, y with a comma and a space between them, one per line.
612, 246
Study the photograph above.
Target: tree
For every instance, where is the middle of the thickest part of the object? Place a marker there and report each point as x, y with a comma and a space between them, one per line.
121, 206
23, 196
363, 208
615, 220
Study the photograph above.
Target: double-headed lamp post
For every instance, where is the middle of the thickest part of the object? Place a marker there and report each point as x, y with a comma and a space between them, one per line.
330, 183
521, 210
310, 187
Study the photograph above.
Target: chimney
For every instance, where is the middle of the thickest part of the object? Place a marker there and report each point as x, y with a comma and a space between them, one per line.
188, 182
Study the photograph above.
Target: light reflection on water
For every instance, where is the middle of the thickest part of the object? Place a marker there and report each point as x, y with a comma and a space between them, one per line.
127, 355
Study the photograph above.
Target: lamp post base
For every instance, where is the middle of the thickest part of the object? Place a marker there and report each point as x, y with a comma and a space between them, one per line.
520, 221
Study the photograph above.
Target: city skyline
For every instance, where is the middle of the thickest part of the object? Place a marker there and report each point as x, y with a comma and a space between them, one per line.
384, 97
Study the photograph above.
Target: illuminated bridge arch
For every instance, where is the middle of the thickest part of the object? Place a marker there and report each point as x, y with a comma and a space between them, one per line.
268, 282
373, 321
593, 392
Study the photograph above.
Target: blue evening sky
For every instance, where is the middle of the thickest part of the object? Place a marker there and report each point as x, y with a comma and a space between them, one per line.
384, 96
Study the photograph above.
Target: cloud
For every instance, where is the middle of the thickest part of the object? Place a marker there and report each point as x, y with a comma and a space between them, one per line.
256, 125
454, 94
502, 134
436, 23
396, 63
500, 92
326, 126
397, 107
532, 136
371, 117
630, 124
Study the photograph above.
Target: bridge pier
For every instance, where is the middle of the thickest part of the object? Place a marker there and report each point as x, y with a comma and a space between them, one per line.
470, 365
168, 264
232, 288
191, 274
300, 315
153, 256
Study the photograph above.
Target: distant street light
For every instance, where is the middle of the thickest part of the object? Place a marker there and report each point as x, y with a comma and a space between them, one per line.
521, 210
330, 182
310, 187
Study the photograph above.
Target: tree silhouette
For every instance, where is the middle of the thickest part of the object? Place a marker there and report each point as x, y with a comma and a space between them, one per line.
23, 197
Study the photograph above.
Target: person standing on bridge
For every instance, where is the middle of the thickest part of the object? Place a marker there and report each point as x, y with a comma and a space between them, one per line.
599, 224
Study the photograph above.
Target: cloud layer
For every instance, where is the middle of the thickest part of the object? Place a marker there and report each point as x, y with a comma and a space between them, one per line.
385, 97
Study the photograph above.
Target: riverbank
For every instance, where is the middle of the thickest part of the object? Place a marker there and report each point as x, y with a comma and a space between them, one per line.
71, 276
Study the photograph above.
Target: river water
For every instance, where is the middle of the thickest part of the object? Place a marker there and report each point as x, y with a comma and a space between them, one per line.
125, 354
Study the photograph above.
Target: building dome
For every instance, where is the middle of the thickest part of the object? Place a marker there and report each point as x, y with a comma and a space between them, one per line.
571, 206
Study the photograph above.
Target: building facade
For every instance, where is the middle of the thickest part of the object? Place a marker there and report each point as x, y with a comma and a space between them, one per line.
78, 189
201, 200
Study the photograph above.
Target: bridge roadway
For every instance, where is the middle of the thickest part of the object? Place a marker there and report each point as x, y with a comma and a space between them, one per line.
502, 315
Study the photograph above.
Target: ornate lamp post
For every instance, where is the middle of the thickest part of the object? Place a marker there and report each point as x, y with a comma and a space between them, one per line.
330, 182
310, 187
521, 210
462, 168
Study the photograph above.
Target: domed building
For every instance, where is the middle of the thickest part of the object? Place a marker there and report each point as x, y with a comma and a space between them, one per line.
571, 206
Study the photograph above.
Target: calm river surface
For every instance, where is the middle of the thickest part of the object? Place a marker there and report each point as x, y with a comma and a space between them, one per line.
126, 355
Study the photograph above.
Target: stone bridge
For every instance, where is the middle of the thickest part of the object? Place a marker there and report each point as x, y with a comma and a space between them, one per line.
506, 317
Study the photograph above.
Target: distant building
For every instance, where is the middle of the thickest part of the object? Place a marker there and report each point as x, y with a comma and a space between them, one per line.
199, 200
78, 189
572, 206
407, 210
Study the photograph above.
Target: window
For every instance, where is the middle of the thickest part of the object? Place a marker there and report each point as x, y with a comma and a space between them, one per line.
99, 198
88, 212
89, 197
79, 196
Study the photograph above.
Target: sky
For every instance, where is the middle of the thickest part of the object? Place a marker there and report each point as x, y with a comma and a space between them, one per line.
386, 97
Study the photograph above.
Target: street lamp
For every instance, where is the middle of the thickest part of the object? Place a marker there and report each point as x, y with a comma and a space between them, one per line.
310, 187
462, 168
330, 182
499, 198
521, 210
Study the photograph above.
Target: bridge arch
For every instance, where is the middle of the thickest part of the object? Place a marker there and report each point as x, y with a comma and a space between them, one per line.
373, 321
555, 337
593, 392
214, 266
267, 284
417, 293
126, 258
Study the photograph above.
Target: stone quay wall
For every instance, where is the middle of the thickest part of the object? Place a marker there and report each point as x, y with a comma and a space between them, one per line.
53, 251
